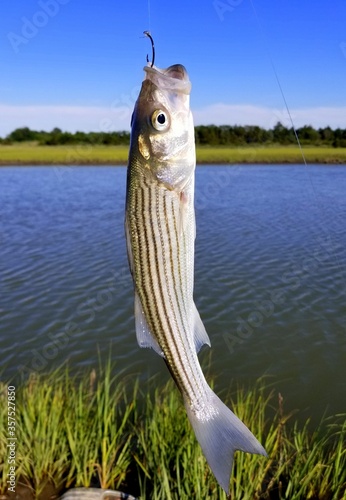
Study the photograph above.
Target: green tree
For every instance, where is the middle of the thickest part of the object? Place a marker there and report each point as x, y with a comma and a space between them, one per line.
22, 134
308, 135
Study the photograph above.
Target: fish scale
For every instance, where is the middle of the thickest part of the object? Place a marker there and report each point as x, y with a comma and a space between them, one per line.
164, 302
160, 234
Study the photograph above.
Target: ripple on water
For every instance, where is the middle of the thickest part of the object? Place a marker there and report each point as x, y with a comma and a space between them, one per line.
270, 275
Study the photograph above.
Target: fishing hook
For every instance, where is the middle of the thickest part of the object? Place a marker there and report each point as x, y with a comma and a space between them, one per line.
147, 33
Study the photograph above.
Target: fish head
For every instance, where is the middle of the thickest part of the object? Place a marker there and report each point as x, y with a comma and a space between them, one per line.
162, 131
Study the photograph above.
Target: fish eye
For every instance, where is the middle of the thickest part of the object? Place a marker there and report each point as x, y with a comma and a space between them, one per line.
159, 120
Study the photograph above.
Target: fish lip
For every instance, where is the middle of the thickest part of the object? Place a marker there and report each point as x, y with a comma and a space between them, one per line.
174, 78
177, 71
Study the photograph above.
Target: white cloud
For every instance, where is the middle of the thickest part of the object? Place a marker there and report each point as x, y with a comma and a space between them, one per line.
68, 118
93, 118
228, 114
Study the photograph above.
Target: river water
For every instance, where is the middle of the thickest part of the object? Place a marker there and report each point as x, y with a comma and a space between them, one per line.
270, 276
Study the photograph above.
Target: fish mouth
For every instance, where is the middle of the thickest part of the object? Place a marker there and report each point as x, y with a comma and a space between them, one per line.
177, 71
174, 78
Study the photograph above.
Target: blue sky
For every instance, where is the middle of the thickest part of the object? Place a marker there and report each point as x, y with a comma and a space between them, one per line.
77, 64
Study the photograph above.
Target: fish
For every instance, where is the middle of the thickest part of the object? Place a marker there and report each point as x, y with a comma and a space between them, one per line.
160, 236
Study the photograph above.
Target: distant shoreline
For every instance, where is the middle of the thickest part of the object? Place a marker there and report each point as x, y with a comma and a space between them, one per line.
84, 155
198, 163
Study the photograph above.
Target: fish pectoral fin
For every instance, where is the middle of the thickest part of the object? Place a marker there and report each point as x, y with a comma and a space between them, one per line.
199, 332
185, 214
144, 337
182, 213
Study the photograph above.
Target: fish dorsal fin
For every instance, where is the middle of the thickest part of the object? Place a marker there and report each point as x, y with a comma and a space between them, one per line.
199, 332
144, 337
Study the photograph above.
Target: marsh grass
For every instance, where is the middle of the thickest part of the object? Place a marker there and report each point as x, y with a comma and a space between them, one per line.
100, 430
42, 453
96, 422
31, 154
171, 464
259, 154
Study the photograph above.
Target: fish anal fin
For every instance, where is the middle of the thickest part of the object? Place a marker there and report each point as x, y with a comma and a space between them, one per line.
144, 337
199, 332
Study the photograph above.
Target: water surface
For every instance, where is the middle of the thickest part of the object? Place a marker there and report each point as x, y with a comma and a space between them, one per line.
269, 276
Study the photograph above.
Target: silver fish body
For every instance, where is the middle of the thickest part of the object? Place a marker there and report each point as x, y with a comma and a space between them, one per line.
160, 233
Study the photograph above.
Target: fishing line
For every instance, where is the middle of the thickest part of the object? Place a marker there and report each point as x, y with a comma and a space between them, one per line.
278, 82
149, 16
318, 204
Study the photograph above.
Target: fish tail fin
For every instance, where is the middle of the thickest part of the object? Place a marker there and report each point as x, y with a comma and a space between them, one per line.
220, 433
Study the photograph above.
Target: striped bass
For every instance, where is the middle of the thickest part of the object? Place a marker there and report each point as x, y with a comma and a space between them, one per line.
160, 234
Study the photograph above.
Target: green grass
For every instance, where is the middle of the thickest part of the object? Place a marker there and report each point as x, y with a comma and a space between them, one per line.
270, 154
29, 154
98, 429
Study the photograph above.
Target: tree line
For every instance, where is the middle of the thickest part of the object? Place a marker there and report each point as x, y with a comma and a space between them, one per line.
211, 135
